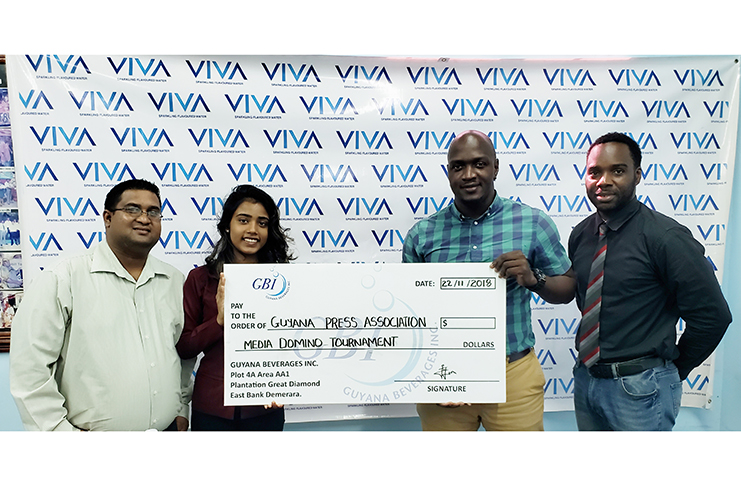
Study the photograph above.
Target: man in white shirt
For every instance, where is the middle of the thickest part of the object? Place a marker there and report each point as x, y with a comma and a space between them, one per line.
93, 341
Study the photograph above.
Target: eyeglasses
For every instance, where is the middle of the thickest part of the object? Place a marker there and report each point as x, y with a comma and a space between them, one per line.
136, 211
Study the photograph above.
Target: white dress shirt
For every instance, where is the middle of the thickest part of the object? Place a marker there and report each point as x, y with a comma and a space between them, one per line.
94, 349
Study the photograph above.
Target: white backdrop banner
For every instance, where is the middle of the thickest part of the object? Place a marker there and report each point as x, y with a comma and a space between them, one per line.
353, 150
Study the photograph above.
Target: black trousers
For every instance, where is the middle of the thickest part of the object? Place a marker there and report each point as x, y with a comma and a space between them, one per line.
273, 420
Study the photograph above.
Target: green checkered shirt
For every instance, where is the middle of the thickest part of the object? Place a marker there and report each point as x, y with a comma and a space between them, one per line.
448, 236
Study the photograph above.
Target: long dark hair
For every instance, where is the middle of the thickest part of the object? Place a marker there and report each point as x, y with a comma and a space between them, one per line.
276, 248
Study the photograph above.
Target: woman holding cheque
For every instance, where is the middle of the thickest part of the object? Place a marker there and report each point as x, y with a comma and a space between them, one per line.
249, 232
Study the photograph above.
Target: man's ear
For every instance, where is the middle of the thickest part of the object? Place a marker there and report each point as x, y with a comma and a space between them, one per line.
107, 215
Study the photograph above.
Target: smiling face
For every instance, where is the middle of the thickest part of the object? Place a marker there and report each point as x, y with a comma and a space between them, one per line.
472, 169
133, 235
611, 177
248, 231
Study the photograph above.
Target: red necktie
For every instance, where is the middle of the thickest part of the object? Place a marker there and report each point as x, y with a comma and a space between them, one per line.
589, 341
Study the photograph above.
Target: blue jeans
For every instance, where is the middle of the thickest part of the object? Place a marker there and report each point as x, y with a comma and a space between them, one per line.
646, 401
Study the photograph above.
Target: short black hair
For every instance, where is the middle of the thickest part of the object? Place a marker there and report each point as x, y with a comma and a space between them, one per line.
114, 195
635, 150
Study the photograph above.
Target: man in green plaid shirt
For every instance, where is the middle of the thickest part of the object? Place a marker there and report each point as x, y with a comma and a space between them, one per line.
522, 245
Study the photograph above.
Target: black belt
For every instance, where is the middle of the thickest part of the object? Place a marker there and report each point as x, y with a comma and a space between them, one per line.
625, 368
518, 355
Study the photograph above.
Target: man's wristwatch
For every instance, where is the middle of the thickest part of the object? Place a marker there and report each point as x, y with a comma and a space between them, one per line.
540, 277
